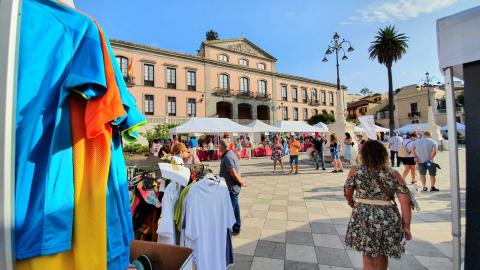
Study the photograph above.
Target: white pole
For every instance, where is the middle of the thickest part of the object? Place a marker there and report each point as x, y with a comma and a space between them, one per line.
453, 158
9, 37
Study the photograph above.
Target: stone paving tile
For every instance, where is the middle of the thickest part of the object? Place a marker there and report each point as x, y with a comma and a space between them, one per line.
327, 240
279, 202
253, 222
250, 233
270, 249
298, 217
277, 208
435, 262
333, 257
297, 209
294, 203
260, 263
301, 253
260, 207
275, 224
406, 262
244, 246
256, 213
242, 262
274, 235
292, 265
300, 238
323, 228
298, 226
421, 248
356, 258
329, 267
277, 215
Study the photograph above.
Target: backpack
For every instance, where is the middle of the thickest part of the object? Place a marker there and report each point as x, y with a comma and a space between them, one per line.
403, 150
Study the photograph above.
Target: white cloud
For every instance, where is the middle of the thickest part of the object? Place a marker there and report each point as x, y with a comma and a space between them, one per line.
392, 10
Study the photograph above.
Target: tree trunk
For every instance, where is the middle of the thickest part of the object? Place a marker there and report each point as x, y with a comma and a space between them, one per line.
391, 119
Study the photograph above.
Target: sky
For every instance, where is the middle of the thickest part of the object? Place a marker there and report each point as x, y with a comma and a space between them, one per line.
297, 33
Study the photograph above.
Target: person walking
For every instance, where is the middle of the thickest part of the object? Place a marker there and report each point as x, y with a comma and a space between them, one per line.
335, 153
294, 148
393, 144
348, 145
277, 154
405, 152
424, 151
318, 146
248, 147
230, 171
376, 228
192, 144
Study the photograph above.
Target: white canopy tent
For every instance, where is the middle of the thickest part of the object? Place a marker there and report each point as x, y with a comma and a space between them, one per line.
460, 128
209, 125
458, 42
360, 129
297, 126
413, 128
260, 126
322, 126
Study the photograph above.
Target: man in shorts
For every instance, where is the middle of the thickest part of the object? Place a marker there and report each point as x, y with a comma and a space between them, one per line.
294, 148
424, 151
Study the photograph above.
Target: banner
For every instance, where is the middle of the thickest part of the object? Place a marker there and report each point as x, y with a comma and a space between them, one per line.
368, 123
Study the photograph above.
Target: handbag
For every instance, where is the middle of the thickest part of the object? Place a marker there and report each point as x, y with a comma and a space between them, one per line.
403, 151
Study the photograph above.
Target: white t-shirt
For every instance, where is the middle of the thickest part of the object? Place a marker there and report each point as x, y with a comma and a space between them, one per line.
166, 225
208, 215
409, 145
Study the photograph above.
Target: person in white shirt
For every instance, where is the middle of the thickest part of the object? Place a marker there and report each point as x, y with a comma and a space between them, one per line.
394, 143
408, 161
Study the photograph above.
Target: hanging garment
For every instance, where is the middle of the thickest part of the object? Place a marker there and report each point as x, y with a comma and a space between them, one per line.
59, 54
166, 225
208, 215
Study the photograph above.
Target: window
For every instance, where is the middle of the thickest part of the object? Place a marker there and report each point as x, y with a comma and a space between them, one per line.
305, 114
294, 94
295, 114
243, 62
363, 110
314, 94
123, 64
413, 107
171, 78
285, 113
223, 58
223, 82
323, 98
191, 80
262, 88
172, 106
332, 112
284, 92
304, 95
331, 99
192, 107
148, 75
244, 87
315, 112
261, 66
148, 105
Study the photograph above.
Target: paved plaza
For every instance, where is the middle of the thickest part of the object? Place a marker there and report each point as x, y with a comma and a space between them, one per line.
299, 221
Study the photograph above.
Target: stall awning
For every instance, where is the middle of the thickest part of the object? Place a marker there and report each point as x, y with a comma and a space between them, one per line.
413, 128
458, 39
321, 125
209, 125
297, 126
260, 126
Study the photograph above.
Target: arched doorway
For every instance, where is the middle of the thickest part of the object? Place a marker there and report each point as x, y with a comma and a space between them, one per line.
224, 109
263, 113
244, 111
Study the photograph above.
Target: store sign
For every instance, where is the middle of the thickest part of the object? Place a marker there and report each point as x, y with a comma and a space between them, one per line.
368, 123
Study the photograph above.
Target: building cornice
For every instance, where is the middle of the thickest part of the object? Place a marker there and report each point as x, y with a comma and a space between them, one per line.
120, 44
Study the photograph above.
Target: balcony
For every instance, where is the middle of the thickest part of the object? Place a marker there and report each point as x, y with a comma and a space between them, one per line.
148, 83
294, 99
314, 102
129, 81
413, 114
305, 100
222, 92
245, 94
264, 96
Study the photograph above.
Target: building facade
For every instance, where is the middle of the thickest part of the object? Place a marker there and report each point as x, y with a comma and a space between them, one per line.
230, 78
368, 105
411, 105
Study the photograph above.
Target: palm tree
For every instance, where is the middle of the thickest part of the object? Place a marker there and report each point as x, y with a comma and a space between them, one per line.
365, 91
211, 35
389, 46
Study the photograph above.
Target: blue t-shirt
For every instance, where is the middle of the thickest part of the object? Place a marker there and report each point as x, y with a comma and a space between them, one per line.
119, 217
192, 143
59, 53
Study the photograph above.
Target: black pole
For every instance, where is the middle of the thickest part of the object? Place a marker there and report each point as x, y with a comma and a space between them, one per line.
338, 72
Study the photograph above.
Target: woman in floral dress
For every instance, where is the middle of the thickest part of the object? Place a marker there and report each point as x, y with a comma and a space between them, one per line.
277, 154
376, 228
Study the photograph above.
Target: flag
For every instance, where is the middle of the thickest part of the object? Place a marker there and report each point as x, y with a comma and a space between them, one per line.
368, 123
130, 70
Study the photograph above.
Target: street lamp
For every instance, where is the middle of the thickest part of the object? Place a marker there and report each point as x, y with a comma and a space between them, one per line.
427, 83
337, 45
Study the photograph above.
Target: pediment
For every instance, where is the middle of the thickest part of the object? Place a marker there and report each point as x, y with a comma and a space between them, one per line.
243, 46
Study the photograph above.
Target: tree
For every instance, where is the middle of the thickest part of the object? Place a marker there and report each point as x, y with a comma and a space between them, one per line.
365, 91
324, 117
387, 47
211, 35
159, 132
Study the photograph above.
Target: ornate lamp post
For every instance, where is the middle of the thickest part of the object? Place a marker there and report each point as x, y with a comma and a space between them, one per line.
427, 83
337, 45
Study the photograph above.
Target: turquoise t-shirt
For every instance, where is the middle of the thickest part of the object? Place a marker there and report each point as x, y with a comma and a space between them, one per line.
59, 53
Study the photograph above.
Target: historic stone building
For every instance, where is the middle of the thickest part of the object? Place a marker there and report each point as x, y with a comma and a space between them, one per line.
230, 78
